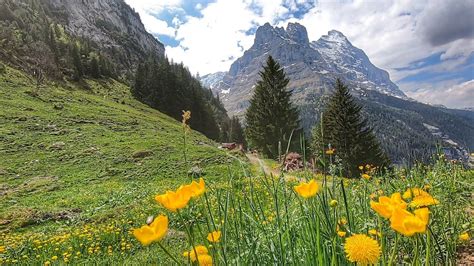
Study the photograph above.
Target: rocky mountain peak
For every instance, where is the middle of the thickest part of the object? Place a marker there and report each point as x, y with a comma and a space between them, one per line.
335, 36
297, 33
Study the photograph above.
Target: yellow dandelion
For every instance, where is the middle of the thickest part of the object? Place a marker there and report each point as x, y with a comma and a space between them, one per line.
362, 249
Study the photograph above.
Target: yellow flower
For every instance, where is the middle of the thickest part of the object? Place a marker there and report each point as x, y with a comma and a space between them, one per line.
414, 192
214, 236
54, 257
205, 260
341, 233
46, 263
194, 189
361, 167
362, 249
153, 232
174, 200
307, 190
330, 151
423, 201
366, 176
374, 232
386, 205
2, 249
464, 236
407, 223
342, 221
333, 203
200, 250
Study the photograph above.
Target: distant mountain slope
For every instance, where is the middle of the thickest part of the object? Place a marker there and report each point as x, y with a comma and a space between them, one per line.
312, 67
54, 35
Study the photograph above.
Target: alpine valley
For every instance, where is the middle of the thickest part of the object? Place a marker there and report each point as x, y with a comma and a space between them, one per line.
401, 124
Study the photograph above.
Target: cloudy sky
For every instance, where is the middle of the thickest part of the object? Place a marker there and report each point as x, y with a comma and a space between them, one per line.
427, 46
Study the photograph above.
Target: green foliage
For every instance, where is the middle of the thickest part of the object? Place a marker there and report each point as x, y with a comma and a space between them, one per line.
344, 129
271, 118
171, 88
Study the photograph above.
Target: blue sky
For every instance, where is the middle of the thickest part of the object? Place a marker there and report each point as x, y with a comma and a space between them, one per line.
426, 46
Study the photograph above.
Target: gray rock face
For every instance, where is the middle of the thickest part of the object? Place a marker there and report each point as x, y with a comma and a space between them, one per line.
311, 66
111, 24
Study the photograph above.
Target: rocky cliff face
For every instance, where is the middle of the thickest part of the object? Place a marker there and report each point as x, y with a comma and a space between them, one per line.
111, 24
311, 66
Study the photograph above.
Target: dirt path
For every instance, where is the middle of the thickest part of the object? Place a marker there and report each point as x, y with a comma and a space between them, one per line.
255, 160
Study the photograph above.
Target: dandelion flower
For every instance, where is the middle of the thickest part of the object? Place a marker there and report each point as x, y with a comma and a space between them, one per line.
362, 249
464, 236
195, 252
307, 190
407, 224
423, 201
214, 236
386, 205
153, 232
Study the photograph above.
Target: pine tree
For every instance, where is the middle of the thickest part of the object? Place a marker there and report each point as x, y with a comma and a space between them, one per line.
236, 132
343, 128
271, 117
76, 59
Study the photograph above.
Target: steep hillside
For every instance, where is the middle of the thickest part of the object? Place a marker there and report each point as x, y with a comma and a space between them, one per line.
69, 156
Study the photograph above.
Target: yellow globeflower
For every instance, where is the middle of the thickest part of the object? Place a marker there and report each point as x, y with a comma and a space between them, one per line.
153, 232
464, 237
174, 200
194, 189
387, 205
307, 190
214, 236
366, 176
192, 255
407, 223
362, 249
205, 260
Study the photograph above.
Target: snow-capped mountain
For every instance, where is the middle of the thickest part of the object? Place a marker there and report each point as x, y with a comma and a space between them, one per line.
311, 67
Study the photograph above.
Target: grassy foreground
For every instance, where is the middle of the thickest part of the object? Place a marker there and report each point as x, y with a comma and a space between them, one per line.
77, 178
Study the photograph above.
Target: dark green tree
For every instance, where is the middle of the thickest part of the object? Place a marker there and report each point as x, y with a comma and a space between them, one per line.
236, 132
271, 117
76, 59
343, 128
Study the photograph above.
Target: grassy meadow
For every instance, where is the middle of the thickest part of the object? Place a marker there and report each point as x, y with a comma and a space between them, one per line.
80, 170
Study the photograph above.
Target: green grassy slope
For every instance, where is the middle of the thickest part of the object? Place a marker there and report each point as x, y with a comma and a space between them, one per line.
66, 155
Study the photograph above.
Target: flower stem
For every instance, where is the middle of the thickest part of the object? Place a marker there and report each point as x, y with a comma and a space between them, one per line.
394, 251
169, 254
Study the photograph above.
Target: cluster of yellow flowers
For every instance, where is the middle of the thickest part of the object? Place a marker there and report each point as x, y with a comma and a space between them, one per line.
174, 201
403, 221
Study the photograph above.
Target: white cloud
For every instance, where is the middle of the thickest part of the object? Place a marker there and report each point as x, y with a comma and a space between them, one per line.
448, 93
391, 32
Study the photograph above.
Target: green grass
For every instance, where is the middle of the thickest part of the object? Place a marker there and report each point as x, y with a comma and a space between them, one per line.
77, 201
66, 155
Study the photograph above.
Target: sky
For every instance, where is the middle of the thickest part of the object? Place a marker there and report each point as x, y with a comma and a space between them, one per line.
427, 46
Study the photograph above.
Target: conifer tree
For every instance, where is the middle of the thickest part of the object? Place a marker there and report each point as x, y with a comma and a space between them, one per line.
271, 117
343, 128
236, 132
